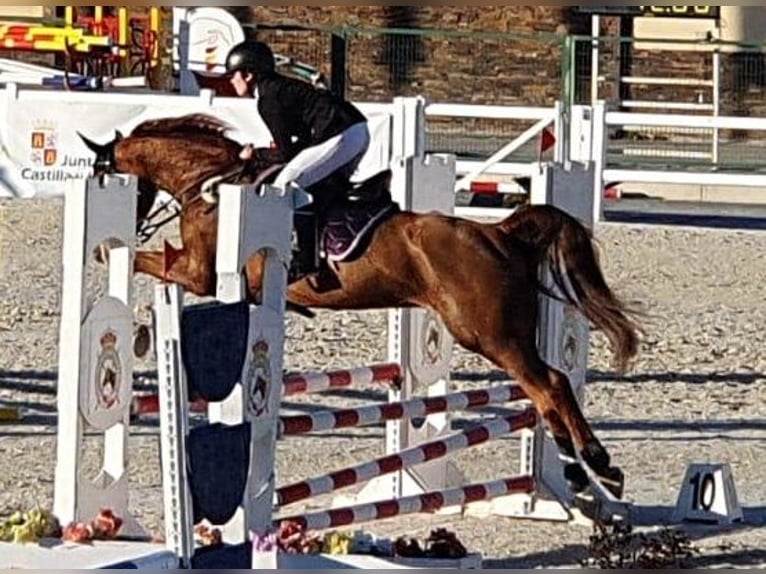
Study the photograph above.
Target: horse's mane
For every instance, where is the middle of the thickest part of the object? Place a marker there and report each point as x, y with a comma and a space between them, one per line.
184, 126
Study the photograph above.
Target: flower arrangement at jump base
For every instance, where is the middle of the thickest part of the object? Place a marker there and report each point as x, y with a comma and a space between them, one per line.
292, 538
37, 524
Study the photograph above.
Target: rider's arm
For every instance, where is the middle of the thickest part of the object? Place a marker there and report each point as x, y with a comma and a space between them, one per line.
273, 114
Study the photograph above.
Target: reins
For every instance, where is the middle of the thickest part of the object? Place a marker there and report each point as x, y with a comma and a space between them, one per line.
148, 229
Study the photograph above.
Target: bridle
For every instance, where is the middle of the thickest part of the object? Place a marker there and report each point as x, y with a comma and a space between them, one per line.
148, 228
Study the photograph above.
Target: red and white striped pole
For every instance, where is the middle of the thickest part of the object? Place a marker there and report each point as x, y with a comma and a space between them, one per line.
374, 414
295, 385
430, 502
149, 404
319, 382
494, 187
405, 459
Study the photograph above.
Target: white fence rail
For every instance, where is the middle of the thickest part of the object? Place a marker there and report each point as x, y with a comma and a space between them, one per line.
650, 175
583, 135
38, 131
495, 164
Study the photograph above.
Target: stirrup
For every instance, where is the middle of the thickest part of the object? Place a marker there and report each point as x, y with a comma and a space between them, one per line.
301, 197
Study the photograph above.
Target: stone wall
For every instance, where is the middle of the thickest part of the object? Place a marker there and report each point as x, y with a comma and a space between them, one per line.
490, 54
521, 64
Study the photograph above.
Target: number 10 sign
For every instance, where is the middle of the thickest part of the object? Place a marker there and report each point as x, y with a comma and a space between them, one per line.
708, 495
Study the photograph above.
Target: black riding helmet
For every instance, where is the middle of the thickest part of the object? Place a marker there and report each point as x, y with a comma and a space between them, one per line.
250, 57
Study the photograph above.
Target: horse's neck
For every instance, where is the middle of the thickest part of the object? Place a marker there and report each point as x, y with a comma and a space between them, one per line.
174, 165
178, 179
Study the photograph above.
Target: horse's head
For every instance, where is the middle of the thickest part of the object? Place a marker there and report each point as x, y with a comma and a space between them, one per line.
180, 155
105, 163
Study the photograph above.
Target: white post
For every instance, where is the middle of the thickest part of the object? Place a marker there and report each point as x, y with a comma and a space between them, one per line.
255, 221
408, 130
595, 53
95, 382
560, 127
600, 142
174, 426
251, 221
716, 105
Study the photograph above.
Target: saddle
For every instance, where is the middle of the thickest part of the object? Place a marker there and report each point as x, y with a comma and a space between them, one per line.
336, 227
339, 224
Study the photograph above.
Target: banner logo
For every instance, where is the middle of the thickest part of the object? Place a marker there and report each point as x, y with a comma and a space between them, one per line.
44, 144
51, 159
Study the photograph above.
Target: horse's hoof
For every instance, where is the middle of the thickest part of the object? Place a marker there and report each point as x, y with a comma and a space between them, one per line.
594, 509
596, 456
576, 477
613, 480
101, 251
142, 341
101, 254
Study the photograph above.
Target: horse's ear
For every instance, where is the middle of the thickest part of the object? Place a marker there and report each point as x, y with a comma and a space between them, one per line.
118, 136
92, 146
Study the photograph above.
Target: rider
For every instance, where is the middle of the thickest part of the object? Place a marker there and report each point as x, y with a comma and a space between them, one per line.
316, 133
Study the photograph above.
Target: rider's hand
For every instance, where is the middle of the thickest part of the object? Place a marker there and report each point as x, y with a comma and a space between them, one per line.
247, 152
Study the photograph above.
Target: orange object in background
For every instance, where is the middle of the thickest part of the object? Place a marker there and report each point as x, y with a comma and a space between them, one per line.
111, 35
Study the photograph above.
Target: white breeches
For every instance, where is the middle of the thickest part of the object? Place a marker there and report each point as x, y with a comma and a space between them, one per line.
316, 163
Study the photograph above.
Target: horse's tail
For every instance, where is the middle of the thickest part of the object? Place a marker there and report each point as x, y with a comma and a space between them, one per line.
575, 270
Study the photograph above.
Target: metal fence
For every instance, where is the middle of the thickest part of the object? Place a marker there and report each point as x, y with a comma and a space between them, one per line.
446, 66
673, 77
703, 78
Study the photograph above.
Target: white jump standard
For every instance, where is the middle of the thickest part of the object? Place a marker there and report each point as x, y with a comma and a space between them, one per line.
95, 386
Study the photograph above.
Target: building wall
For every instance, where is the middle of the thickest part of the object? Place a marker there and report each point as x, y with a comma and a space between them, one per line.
521, 70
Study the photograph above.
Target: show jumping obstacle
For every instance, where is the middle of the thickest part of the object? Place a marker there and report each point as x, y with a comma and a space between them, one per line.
243, 407
517, 497
255, 403
416, 408
409, 458
249, 410
423, 503
95, 352
294, 385
419, 342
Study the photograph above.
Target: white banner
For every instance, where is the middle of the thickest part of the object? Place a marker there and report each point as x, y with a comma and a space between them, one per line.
40, 148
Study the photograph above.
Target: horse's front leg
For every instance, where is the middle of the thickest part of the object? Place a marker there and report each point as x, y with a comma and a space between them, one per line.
182, 267
254, 271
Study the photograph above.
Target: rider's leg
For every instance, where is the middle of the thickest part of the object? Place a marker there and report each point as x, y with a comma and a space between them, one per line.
316, 163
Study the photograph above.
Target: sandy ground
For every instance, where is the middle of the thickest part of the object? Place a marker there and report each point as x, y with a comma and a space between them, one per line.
695, 395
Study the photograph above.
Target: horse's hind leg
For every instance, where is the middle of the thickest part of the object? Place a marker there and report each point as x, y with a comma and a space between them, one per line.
554, 399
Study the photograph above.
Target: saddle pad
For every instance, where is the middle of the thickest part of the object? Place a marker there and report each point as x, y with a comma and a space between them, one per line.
214, 347
347, 231
218, 467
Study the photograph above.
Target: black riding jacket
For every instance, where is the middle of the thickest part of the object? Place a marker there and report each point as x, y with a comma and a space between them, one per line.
300, 116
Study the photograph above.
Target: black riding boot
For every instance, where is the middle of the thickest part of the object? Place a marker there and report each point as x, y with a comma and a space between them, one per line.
305, 244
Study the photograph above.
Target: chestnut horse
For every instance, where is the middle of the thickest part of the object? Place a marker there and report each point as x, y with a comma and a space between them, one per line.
481, 279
